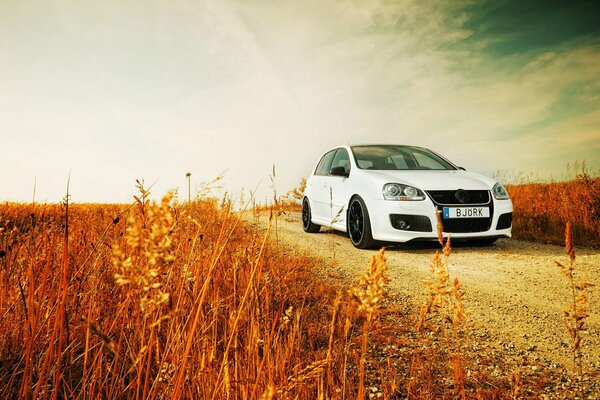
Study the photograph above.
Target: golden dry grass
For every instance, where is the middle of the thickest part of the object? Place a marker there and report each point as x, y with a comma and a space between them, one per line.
541, 210
166, 300
163, 301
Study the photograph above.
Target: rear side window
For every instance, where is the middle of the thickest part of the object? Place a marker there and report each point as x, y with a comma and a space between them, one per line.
325, 163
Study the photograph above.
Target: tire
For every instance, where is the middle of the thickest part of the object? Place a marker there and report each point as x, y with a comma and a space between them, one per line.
307, 224
359, 225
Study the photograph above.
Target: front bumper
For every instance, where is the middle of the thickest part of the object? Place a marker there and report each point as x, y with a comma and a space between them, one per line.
382, 227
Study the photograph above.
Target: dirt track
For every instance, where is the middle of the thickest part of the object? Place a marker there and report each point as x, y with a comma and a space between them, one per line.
515, 294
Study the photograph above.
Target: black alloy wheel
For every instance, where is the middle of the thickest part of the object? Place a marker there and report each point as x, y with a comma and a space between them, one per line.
307, 224
359, 225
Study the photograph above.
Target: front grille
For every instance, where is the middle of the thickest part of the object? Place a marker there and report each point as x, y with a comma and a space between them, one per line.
459, 197
416, 223
466, 225
504, 221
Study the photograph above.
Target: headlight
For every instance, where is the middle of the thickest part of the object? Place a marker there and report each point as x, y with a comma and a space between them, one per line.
499, 192
396, 191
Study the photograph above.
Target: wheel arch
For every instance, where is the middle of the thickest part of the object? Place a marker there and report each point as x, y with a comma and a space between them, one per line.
347, 205
362, 244
308, 225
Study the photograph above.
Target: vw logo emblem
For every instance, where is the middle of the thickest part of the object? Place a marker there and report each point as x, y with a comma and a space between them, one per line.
462, 196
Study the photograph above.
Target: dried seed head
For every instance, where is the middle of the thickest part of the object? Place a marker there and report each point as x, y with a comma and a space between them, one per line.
371, 287
287, 316
440, 227
147, 249
447, 248
569, 241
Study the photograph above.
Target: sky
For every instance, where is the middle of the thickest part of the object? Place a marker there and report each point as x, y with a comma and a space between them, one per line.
111, 91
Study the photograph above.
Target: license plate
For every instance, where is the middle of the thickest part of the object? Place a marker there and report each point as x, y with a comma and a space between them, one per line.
466, 212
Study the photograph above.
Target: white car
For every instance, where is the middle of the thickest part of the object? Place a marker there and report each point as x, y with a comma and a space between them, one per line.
391, 193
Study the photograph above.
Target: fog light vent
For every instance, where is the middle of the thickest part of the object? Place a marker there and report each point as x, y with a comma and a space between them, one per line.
505, 221
413, 223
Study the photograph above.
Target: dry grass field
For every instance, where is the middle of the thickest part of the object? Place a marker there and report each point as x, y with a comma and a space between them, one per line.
541, 210
168, 300
154, 301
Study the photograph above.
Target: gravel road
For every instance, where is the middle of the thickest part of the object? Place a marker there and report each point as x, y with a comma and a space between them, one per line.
515, 293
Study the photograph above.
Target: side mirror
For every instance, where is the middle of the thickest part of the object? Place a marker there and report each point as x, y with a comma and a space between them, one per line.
338, 171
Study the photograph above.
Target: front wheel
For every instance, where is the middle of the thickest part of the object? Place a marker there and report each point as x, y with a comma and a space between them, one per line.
307, 224
359, 225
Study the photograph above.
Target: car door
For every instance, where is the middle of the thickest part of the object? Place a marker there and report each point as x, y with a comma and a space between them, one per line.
337, 190
319, 188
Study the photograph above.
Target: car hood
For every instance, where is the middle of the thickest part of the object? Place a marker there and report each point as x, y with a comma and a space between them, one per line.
436, 180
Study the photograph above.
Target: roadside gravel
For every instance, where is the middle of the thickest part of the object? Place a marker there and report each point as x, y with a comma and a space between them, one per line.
515, 294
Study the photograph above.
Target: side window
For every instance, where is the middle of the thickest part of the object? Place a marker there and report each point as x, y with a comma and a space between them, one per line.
341, 159
325, 163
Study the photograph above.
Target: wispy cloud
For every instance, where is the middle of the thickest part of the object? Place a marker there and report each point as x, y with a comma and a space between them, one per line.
120, 90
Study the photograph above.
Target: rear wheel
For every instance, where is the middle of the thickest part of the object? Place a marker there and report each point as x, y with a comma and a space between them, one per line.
359, 225
307, 224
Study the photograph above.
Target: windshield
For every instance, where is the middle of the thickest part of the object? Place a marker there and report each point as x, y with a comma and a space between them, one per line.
389, 157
